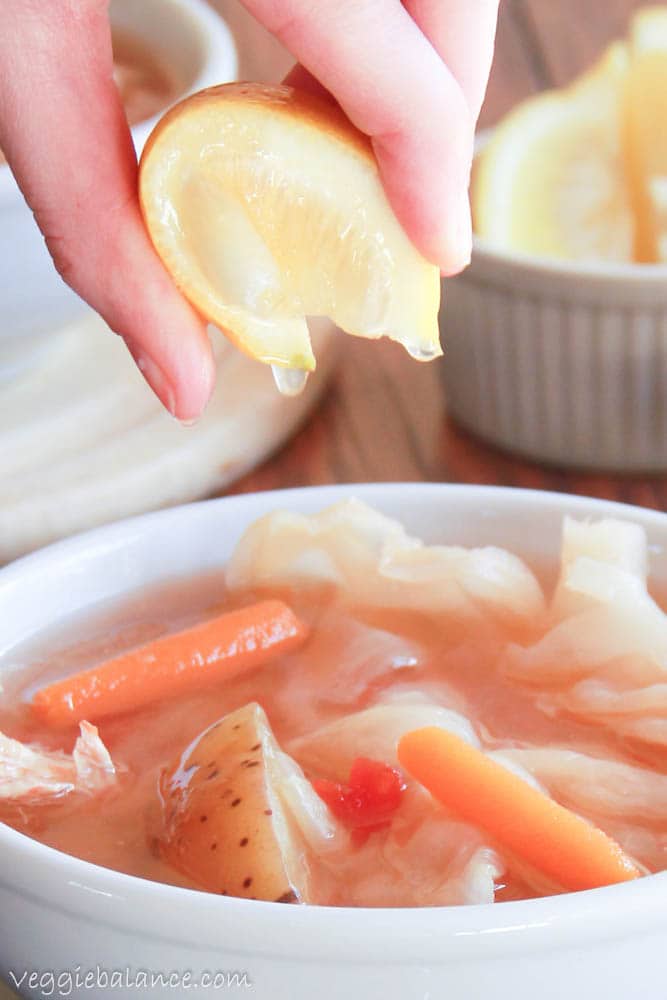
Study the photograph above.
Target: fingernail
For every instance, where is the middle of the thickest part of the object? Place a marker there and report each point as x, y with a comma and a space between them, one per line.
458, 246
155, 377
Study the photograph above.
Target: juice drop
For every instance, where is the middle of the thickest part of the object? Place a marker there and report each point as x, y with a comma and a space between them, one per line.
289, 381
422, 353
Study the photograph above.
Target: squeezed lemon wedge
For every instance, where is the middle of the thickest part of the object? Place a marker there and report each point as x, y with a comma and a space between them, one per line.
266, 206
551, 179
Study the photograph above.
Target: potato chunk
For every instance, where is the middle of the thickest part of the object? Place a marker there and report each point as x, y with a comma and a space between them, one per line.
223, 822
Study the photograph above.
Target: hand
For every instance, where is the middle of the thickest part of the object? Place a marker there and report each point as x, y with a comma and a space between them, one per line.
63, 131
412, 76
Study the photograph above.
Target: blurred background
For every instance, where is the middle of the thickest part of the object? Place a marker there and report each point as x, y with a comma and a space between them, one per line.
385, 418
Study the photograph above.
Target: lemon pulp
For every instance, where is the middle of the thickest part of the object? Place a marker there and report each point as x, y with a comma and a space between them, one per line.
267, 209
551, 181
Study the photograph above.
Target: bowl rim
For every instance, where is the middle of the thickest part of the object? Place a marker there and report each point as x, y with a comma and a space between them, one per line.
156, 910
601, 271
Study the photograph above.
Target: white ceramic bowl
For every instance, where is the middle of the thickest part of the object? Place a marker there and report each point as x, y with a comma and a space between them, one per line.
563, 362
58, 913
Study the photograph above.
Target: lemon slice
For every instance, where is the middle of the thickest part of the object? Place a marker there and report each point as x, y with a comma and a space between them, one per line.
645, 137
551, 179
266, 206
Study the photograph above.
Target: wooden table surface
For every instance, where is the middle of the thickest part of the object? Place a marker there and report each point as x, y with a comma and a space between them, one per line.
384, 416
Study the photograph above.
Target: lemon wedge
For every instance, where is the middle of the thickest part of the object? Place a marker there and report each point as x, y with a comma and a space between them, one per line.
645, 137
551, 179
266, 206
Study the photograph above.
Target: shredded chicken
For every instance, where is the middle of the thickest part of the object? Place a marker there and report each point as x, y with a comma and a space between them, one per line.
29, 774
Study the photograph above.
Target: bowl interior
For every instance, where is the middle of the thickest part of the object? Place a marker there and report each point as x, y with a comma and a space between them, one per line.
69, 577
185, 35
173, 34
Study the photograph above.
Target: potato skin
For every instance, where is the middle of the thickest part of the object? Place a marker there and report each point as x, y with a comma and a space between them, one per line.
223, 823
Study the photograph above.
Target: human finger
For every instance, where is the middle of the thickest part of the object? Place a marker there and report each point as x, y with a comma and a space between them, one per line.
64, 133
393, 85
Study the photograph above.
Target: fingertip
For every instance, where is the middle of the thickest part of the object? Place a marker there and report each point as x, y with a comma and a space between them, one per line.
180, 370
194, 388
449, 248
189, 367
456, 252
153, 374
433, 206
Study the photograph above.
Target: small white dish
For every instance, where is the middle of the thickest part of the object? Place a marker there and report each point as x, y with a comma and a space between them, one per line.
60, 913
196, 42
563, 362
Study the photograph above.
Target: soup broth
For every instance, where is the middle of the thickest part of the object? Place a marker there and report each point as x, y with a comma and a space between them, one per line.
365, 674
356, 657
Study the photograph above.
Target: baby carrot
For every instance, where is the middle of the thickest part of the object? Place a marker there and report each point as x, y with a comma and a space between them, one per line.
554, 840
209, 652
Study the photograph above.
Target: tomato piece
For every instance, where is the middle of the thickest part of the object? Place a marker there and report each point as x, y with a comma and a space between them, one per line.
368, 801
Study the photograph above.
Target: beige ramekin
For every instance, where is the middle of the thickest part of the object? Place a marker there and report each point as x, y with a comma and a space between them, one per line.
562, 362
